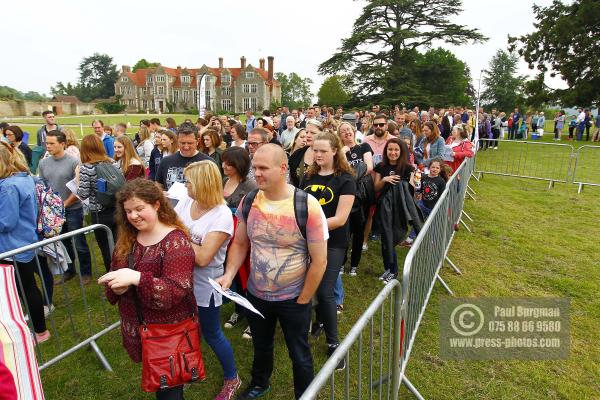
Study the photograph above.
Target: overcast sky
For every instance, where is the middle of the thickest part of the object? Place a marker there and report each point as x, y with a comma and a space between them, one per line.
44, 42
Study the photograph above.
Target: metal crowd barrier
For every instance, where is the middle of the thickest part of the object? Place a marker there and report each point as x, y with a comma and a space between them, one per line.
587, 167
80, 315
382, 360
535, 160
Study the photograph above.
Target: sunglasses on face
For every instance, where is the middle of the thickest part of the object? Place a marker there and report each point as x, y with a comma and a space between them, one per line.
380, 125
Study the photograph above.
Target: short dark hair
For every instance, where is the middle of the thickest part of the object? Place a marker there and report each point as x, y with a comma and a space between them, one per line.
187, 128
16, 130
239, 159
145, 122
47, 112
266, 113
155, 121
380, 116
240, 130
98, 121
3, 126
60, 136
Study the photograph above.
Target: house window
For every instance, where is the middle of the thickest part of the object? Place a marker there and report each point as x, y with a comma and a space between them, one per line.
149, 79
145, 103
250, 103
226, 104
246, 88
175, 96
225, 79
226, 91
249, 75
161, 90
131, 103
144, 91
253, 88
120, 90
124, 79
130, 90
185, 96
186, 79
160, 78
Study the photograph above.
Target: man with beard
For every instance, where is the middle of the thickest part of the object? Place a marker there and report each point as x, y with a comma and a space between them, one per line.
379, 138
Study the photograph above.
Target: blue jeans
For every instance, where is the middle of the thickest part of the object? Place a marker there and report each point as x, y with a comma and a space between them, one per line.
74, 221
580, 129
426, 211
210, 325
294, 320
338, 291
389, 265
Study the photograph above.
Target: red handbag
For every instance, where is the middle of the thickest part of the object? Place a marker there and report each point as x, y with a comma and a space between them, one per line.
171, 353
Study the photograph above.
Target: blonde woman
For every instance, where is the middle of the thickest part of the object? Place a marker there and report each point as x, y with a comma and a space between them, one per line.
210, 224
72, 143
127, 159
145, 147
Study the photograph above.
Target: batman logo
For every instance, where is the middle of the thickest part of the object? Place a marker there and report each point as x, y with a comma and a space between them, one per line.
321, 192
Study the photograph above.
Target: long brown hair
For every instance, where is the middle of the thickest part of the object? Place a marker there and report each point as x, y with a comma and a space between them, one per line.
11, 160
174, 144
149, 193
129, 153
340, 164
402, 164
435, 131
92, 150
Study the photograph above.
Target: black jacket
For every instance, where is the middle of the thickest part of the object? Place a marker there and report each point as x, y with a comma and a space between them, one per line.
396, 209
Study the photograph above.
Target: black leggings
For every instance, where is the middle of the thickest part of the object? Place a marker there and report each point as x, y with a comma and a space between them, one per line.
105, 217
175, 393
326, 310
32, 294
357, 230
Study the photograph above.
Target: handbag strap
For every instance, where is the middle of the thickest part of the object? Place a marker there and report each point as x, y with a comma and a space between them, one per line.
136, 299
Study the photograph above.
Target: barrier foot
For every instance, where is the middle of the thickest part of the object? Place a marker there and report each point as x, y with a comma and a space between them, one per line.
100, 356
453, 266
475, 177
467, 215
580, 188
466, 226
551, 185
439, 278
471, 189
470, 195
412, 389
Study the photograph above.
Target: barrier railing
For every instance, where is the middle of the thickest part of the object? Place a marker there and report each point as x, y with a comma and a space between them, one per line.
534, 160
32, 132
587, 167
384, 337
77, 317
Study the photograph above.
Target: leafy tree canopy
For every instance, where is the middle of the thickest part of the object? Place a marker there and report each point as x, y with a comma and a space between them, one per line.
502, 84
381, 53
295, 90
565, 43
144, 64
8, 93
333, 92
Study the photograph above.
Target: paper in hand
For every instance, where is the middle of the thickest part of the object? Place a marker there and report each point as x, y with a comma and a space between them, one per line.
233, 296
177, 191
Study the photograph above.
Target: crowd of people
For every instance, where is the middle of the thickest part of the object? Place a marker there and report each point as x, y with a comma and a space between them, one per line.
279, 207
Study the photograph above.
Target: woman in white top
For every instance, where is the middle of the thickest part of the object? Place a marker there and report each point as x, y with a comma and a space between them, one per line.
145, 147
210, 223
238, 135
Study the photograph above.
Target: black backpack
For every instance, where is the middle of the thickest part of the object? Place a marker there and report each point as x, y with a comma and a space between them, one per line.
300, 208
114, 180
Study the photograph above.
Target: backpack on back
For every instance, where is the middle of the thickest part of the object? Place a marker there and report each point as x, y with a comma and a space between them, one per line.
114, 180
300, 208
51, 211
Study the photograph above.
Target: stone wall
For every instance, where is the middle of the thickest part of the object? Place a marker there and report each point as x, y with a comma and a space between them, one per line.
23, 108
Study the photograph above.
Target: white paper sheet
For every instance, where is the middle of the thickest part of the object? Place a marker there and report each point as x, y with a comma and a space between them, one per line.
177, 191
233, 296
72, 186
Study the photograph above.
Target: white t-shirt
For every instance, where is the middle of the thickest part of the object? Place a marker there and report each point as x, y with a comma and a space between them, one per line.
219, 219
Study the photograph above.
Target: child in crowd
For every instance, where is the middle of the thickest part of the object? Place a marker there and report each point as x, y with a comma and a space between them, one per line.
433, 185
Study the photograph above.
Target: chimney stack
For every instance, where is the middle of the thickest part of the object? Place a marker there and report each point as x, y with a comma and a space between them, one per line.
126, 68
220, 62
270, 71
243, 62
261, 63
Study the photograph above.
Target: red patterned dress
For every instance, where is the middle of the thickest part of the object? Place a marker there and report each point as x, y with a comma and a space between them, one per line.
165, 289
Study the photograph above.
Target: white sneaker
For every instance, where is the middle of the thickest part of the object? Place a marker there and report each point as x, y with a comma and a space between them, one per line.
495, 147
247, 333
232, 321
365, 247
48, 310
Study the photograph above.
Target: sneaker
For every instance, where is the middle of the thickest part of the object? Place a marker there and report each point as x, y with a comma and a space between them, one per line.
340, 308
247, 333
48, 309
342, 364
316, 329
389, 278
42, 337
384, 275
495, 147
342, 271
352, 271
253, 392
232, 321
365, 247
229, 388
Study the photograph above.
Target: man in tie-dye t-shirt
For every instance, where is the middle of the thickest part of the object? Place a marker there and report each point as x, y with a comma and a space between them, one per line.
285, 269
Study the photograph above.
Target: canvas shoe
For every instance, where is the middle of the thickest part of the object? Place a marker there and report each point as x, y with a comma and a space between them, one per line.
232, 321
353, 271
330, 350
253, 392
230, 386
384, 275
389, 278
247, 333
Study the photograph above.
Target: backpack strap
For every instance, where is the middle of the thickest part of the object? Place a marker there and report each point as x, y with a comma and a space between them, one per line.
301, 210
247, 204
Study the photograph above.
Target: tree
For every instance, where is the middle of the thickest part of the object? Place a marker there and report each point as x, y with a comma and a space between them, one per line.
332, 91
295, 90
381, 52
97, 77
8, 93
565, 43
112, 107
144, 64
501, 82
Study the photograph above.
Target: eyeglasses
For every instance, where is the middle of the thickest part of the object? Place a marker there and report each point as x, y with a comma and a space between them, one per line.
380, 125
254, 144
